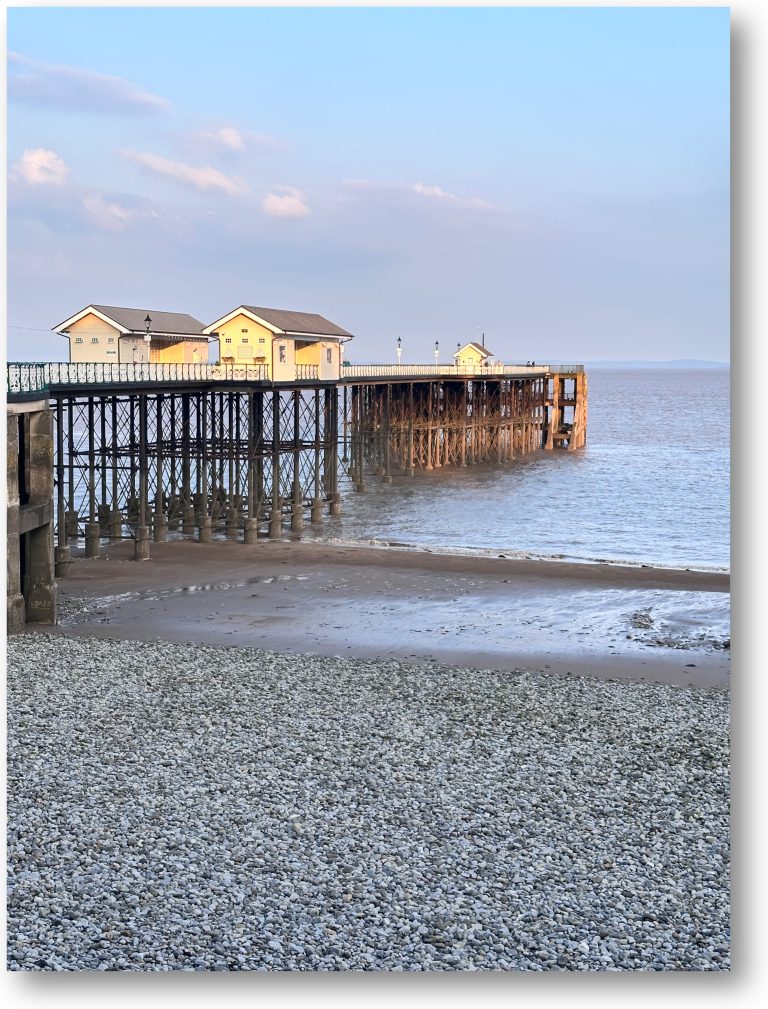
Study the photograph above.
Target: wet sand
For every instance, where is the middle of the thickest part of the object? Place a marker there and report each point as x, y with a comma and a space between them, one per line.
418, 606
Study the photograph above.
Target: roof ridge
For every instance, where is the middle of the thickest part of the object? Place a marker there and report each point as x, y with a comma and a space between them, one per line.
128, 308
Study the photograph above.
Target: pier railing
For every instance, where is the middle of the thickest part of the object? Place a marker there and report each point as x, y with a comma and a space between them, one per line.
387, 370
28, 378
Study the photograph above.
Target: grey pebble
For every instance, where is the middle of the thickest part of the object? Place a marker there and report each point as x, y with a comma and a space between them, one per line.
178, 807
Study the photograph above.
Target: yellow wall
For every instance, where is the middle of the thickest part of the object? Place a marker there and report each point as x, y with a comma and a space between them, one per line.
308, 353
233, 353
179, 353
268, 352
95, 336
470, 356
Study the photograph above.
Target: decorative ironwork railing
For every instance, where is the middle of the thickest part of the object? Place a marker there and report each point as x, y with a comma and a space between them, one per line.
98, 374
385, 370
24, 379
28, 378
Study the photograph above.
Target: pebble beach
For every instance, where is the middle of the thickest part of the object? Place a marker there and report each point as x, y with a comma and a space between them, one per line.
190, 807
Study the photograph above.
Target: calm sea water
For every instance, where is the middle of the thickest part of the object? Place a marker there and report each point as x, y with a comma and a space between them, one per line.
651, 486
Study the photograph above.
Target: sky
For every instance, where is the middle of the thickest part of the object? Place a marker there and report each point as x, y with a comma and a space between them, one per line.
556, 179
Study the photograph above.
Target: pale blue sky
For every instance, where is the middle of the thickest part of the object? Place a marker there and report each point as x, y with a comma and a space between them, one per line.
557, 178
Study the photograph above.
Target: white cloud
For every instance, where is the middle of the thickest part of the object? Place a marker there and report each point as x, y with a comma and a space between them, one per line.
430, 192
227, 137
39, 166
108, 214
201, 178
77, 90
291, 204
435, 192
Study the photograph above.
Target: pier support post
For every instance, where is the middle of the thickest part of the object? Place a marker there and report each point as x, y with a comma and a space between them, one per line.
71, 524
92, 542
188, 521
297, 504
251, 531
233, 523
103, 518
159, 527
115, 526
275, 522
141, 544
275, 515
62, 557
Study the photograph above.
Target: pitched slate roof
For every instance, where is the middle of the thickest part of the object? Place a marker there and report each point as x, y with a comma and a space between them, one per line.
162, 322
132, 319
297, 322
477, 346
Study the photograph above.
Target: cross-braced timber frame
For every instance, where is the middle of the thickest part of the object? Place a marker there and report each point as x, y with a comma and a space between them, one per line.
241, 460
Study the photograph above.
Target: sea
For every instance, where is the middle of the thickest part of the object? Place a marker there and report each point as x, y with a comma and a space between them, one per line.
650, 487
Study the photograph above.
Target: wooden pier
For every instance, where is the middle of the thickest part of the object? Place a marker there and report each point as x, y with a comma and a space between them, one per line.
144, 451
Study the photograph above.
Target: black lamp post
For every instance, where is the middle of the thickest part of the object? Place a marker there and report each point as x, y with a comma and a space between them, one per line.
147, 337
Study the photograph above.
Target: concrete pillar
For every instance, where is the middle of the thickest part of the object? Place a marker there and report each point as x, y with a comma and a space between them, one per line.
316, 515
159, 527
297, 517
103, 513
92, 539
71, 521
115, 526
335, 506
188, 521
233, 524
62, 557
41, 589
204, 530
141, 544
251, 533
15, 608
276, 524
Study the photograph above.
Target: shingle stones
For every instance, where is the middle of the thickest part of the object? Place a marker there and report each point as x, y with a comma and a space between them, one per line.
174, 807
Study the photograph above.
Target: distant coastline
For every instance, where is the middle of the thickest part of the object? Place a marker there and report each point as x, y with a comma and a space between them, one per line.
681, 363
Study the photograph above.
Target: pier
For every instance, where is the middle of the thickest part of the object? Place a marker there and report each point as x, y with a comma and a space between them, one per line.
203, 451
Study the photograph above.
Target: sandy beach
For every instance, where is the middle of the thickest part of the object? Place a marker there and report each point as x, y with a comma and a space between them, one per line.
609, 621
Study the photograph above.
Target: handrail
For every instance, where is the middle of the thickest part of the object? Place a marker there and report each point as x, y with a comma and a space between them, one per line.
384, 370
25, 378
307, 371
